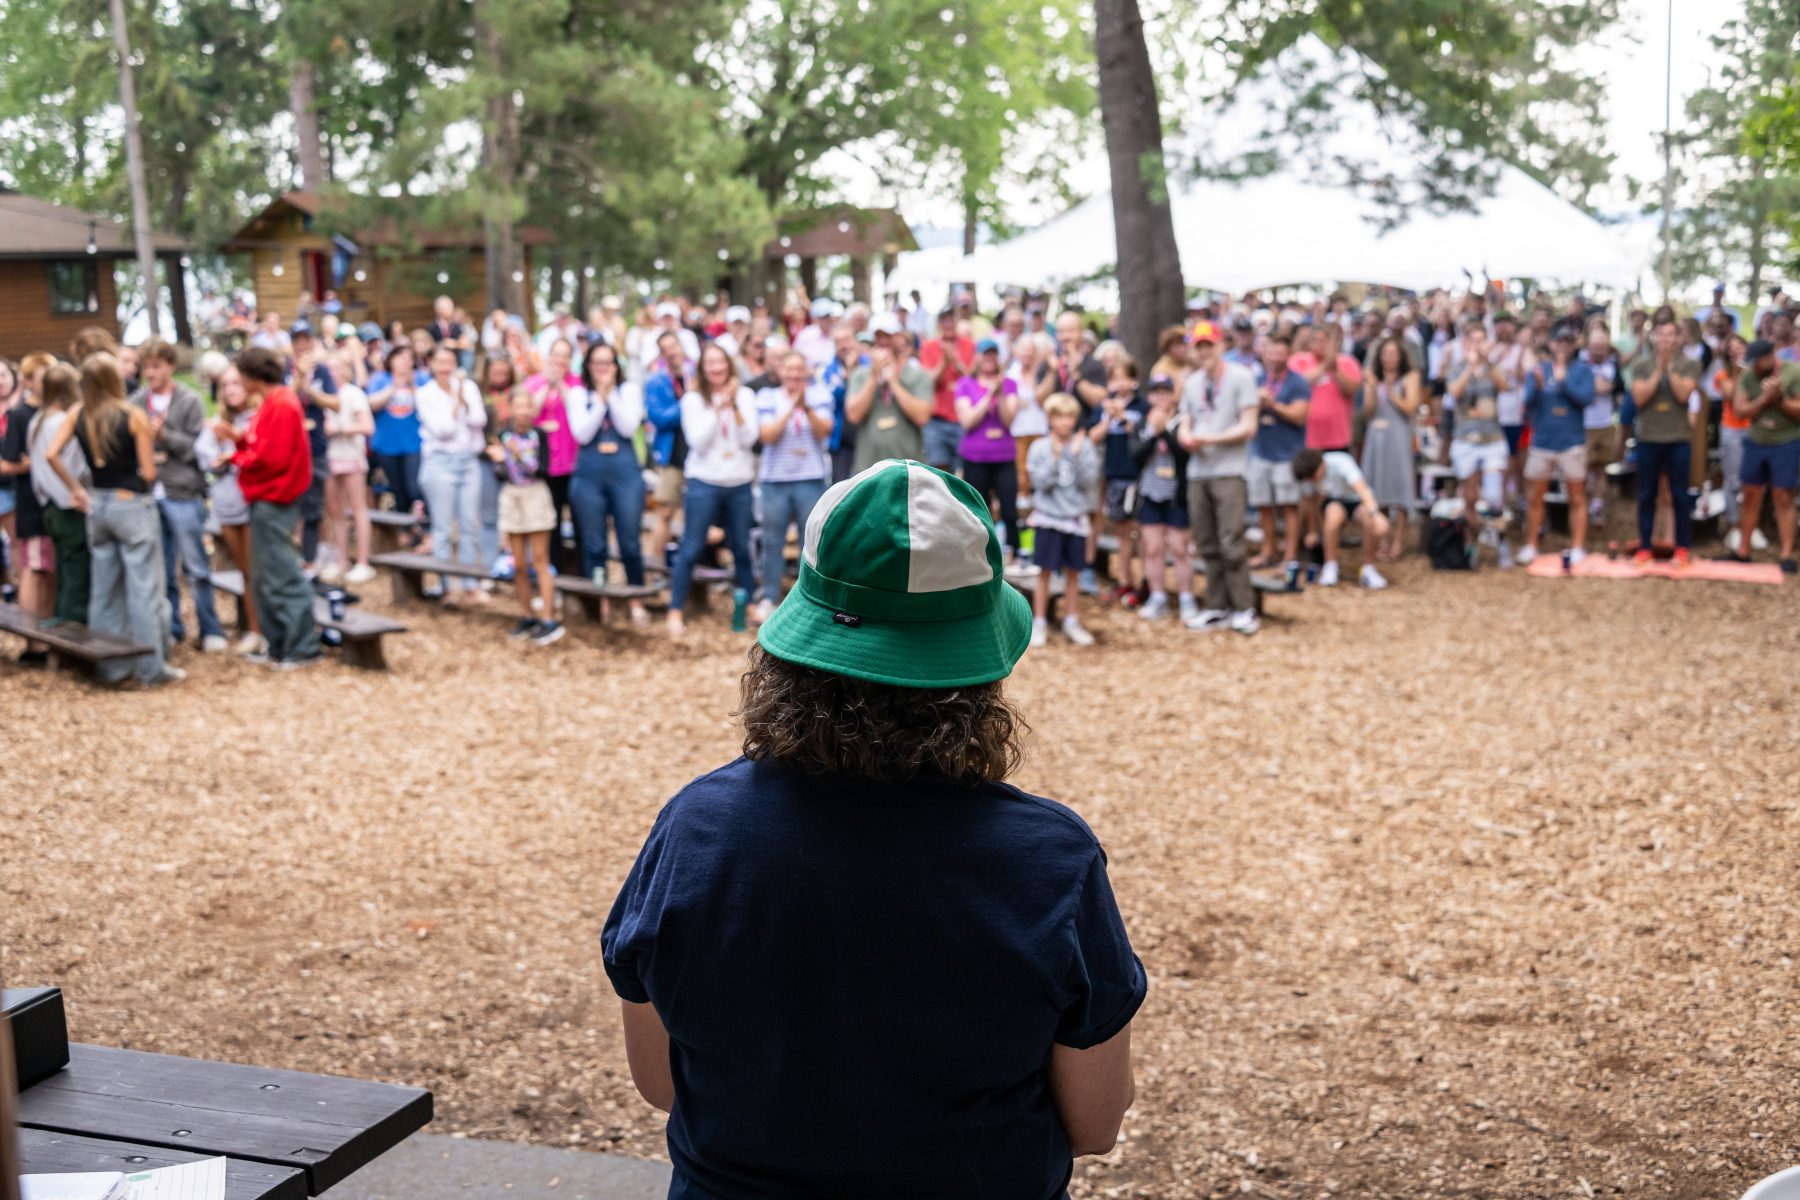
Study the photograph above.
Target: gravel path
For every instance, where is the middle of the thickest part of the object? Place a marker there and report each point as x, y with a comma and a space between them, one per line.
1483, 886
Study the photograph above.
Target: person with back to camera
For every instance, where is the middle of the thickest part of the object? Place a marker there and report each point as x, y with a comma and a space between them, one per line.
855, 962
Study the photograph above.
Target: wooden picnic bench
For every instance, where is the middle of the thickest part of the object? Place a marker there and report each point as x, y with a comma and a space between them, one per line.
588, 595
409, 571
285, 1134
70, 645
361, 631
1026, 582
387, 527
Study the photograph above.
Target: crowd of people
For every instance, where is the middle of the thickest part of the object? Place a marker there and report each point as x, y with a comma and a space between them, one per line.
1259, 435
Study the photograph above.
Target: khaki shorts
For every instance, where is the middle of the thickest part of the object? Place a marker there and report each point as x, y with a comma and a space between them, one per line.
1600, 443
1272, 483
526, 509
1571, 464
668, 487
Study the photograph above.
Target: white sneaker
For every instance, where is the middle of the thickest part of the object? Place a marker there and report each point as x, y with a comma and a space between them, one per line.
1372, 579
760, 612
1073, 630
1207, 620
1040, 634
1734, 539
360, 573
1328, 575
252, 643
1155, 608
1190, 607
331, 574
1245, 621
1758, 541
1526, 555
214, 645
1577, 556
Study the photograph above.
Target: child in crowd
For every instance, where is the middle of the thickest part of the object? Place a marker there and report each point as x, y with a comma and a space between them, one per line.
1162, 513
521, 455
1121, 413
1345, 495
59, 387
347, 486
1065, 468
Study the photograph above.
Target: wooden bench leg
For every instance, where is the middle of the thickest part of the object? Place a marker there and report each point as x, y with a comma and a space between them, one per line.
408, 586
365, 653
1257, 593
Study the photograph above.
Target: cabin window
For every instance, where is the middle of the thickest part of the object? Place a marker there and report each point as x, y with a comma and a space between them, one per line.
74, 287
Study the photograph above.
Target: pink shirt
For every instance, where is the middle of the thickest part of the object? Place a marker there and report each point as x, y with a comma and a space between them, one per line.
553, 419
1328, 419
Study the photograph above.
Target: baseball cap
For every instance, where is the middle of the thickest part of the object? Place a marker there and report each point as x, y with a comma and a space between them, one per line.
1505, 315
1242, 324
611, 301
1160, 383
824, 306
1760, 348
1203, 331
886, 323
901, 584
301, 328
369, 331
866, 337
987, 344
668, 308
737, 312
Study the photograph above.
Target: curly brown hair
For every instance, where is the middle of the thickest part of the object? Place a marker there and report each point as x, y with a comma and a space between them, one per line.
825, 724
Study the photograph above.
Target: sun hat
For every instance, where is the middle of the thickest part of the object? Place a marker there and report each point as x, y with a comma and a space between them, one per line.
737, 312
901, 583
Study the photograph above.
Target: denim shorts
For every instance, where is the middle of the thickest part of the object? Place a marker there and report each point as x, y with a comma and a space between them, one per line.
1771, 466
1172, 513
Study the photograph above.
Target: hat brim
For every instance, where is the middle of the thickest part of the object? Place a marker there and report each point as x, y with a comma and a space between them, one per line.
958, 652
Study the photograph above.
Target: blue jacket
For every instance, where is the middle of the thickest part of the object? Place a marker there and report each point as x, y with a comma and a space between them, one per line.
662, 408
1555, 408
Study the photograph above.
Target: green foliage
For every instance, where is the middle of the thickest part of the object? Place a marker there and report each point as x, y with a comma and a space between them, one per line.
1469, 79
204, 95
1743, 156
969, 92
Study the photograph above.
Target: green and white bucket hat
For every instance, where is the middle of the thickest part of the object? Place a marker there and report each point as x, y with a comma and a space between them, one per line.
901, 583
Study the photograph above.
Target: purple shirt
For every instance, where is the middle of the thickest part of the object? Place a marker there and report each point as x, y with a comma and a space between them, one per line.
991, 441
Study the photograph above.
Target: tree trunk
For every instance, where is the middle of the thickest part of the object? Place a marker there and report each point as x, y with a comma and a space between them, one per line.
178, 309
500, 158
134, 167
581, 292
306, 126
1759, 229
809, 277
970, 221
1151, 293
554, 296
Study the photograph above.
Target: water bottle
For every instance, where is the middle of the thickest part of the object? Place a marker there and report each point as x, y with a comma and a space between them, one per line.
1568, 563
740, 604
334, 601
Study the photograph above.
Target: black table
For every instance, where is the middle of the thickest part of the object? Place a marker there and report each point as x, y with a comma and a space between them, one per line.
288, 1134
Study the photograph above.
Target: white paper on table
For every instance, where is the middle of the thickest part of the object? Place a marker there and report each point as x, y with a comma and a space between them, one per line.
203, 1180
73, 1185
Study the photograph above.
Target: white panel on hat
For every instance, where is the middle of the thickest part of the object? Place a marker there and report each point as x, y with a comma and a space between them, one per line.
949, 542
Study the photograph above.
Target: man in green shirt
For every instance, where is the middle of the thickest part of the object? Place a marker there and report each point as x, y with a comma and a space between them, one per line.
889, 400
1663, 385
1768, 396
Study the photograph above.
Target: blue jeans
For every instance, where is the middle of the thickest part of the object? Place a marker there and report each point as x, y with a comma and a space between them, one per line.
943, 444
1658, 460
183, 539
452, 486
1731, 463
784, 503
490, 515
609, 485
125, 591
707, 505
402, 474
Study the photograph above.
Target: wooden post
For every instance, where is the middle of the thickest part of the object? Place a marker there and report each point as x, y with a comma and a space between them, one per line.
859, 278
134, 167
178, 308
809, 271
9, 1149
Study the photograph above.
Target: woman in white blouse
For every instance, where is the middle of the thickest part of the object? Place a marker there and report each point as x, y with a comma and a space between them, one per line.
451, 421
604, 415
718, 419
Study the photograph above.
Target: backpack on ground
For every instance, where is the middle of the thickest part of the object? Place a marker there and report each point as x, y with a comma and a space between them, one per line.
1448, 542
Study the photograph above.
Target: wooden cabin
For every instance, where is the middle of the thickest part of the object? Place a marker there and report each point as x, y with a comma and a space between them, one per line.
56, 272
382, 272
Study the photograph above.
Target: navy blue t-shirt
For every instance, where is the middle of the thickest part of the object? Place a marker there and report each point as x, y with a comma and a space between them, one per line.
1276, 440
862, 982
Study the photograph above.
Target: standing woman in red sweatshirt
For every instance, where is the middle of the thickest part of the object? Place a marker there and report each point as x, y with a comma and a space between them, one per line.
274, 469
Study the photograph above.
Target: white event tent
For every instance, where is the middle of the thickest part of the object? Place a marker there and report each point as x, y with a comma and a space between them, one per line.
1287, 227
